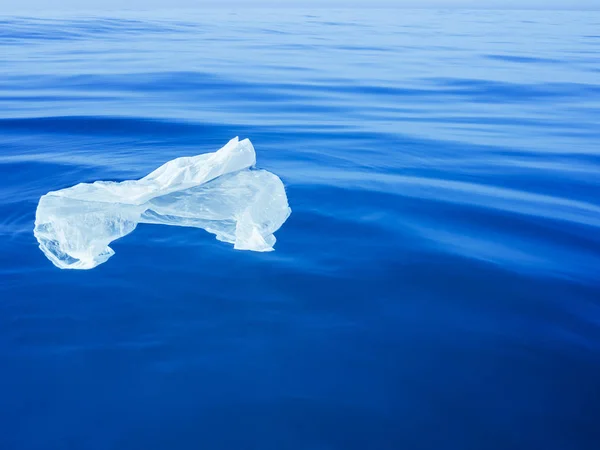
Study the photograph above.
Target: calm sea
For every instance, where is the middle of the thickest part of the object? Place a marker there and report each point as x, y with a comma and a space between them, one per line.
437, 285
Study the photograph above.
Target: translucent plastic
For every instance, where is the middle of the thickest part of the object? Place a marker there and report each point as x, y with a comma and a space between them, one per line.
218, 192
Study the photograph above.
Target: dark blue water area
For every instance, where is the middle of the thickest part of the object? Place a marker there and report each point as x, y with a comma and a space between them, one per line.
436, 286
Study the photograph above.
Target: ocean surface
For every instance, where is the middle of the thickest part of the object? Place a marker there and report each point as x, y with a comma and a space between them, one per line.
437, 285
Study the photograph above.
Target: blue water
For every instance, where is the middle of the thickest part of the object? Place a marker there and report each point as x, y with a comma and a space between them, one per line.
436, 286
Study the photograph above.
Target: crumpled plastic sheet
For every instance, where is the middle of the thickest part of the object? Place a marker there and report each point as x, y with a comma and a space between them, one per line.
219, 192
